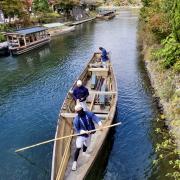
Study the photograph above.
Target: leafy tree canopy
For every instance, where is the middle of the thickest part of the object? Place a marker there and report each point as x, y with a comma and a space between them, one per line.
41, 6
12, 7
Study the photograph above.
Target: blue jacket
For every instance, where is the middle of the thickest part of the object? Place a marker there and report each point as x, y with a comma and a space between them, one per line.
80, 93
85, 123
104, 55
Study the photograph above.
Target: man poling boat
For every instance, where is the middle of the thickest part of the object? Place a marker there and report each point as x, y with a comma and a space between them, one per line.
83, 122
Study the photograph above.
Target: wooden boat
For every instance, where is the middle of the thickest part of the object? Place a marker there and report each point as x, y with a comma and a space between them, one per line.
106, 15
24, 40
102, 101
55, 29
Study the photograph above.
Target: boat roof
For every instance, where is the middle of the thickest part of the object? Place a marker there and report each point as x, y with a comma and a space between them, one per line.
28, 30
52, 25
106, 12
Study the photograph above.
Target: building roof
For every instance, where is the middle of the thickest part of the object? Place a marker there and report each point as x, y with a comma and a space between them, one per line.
28, 30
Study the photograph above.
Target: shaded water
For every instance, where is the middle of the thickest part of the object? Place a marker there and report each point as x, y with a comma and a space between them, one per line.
33, 87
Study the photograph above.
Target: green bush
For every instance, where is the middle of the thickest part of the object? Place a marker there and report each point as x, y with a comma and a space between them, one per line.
2, 38
45, 18
170, 52
176, 66
3, 27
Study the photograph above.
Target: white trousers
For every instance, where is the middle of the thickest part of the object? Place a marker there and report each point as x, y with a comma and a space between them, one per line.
83, 140
84, 105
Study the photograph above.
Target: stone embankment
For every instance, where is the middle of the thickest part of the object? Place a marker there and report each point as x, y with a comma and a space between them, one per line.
166, 84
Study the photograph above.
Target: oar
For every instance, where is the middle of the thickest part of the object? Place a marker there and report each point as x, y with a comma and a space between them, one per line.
72, 135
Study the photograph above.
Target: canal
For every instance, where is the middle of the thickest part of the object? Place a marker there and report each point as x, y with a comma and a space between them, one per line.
33, 87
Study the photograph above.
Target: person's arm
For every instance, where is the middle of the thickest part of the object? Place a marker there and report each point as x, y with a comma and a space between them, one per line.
76, 125
86, 94
74, 94
95, 118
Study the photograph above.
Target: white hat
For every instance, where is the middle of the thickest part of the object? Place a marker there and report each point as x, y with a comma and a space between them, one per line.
78, 107
79, 83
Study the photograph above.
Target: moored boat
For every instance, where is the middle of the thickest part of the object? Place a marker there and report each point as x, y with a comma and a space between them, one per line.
24, 40
106, 15
55, 29
102, 100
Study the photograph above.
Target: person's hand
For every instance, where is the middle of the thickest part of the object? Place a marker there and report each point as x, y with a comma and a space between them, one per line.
77, 101
101, 128
83, 132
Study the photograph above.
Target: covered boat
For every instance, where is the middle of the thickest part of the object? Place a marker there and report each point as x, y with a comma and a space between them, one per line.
106, 15
24, 40
102, 100
56, 29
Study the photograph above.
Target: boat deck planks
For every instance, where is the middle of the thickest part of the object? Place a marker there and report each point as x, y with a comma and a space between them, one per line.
84, 163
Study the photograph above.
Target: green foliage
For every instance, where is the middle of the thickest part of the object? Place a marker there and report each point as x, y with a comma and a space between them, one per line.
41, 6
125, 2
46, 18
170, 53
2, 37
146, 2
161, 22
167, 150
3, 27
11, 7
176, 66
176, 20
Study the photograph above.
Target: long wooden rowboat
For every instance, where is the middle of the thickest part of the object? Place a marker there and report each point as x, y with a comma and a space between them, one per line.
102, 101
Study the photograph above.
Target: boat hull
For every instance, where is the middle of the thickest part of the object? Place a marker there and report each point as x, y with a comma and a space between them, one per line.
63, 150
21, 50
63, 31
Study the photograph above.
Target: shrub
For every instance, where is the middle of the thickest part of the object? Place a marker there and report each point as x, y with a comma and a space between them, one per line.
2, 38
176, 66
170, 52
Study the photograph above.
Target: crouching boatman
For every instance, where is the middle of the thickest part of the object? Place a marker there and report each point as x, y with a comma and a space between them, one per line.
83, 122
80, 93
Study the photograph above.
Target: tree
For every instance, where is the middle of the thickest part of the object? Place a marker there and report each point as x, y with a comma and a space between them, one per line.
41, 6
11, 7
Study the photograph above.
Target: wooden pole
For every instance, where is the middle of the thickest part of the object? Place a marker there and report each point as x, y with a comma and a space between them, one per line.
72, 135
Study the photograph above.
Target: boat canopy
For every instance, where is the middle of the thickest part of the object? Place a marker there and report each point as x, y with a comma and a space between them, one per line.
106, 13
53, 25
28, 31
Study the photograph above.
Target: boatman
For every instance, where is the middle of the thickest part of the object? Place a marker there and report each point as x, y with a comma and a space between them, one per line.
80, 93
83, 122
104, 57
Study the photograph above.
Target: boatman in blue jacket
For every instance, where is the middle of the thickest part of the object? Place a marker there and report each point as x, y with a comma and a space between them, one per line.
80, 93
83, 122
104, 57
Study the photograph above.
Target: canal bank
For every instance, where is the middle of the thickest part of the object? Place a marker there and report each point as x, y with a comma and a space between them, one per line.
34, 86
166, 84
